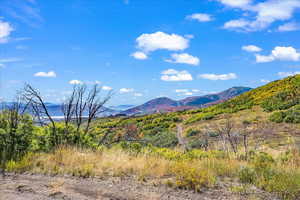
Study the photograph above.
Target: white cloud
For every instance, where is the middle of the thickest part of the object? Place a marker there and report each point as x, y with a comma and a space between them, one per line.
184, 58
201, 17
174, 75
237, 24
76, 82
264, 59
139, 55
236, 3
291, 26
126, 90
286, 74
280, 53
251, 48
138, 94
186, 92
181, 90
5, 31
23, 11
216, 77
264, 81
106, 88
50, 74
161, 40
262, 14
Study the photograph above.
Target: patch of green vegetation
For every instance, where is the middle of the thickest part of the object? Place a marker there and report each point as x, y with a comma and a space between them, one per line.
290, 116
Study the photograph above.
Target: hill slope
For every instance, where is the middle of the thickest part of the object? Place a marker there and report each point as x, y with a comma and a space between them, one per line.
282, 96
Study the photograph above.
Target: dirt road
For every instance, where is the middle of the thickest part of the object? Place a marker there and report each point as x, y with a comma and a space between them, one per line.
40, 187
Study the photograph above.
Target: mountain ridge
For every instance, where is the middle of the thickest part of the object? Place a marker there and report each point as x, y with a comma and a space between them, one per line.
165, 104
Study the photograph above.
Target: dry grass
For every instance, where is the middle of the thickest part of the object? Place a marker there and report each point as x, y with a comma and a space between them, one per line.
113, 162
279, 174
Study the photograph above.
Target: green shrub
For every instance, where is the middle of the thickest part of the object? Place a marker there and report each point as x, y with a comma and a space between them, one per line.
247, 175
277, 117
25, 164
192, 178
163, 139
192, 132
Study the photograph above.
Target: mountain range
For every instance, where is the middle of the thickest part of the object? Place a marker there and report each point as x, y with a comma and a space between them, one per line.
164, 104
159, 105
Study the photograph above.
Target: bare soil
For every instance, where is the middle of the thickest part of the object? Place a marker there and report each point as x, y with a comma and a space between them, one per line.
41, 187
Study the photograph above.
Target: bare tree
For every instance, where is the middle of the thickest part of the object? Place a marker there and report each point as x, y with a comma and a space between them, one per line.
39, 108
80, 104
226, 132
95, 104
68, 108
89, 103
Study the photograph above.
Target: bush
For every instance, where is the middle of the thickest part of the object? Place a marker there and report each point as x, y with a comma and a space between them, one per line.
163, 140
25, 164
197, 144
247, 175
290, 116
277, 117
192, 132
193, 178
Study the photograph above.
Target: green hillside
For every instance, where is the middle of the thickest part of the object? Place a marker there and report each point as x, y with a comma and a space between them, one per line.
279, 99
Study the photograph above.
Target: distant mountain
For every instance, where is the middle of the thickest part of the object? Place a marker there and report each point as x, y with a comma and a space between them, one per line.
218, 97
154, 105
165, 104
121, 107
55, 109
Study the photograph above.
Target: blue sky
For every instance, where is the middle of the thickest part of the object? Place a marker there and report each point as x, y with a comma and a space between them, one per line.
143, 49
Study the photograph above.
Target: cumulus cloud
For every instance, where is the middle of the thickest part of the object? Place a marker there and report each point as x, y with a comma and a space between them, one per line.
139, 55
126, 90
106, 88
160, 40
200, 17
236, 3
251, 48
75, 82
286, 74
174, 75
216, 77
262, 14
50, 74
264, 59
279, 53
236, 24
5, 31
291, 26
184, 58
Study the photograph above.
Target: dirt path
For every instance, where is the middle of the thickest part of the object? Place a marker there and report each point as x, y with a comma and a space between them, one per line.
39, 187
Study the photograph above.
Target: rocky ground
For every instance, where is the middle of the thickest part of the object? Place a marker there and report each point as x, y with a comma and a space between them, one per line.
40, 187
